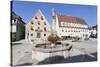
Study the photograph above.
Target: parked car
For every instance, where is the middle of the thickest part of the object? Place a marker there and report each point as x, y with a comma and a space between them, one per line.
75, 39
93, 35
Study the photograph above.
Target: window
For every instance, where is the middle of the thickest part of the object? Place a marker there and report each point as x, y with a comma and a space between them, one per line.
38, 22
44, 23
13, 22
65, 24
38, 35
62, 23
32, 29
31, 34
36, 17
41, 18
45, 29
44, 34
14, 28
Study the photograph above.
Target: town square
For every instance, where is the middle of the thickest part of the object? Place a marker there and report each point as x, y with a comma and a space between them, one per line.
52, 33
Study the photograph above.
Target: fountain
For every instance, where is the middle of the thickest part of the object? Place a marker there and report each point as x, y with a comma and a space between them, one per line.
47, 50
54, 48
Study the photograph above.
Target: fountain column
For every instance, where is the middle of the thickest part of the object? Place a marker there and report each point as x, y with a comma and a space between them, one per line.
53, 21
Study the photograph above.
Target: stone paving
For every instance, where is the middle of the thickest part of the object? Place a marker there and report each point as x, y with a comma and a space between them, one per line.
21, 51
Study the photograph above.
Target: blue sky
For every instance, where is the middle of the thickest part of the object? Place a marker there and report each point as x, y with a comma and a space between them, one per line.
27, 9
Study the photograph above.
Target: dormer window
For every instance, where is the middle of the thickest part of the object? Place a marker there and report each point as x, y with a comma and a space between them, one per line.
36, 17
44, 23
32, 29
13, 21
41, 18
38, 22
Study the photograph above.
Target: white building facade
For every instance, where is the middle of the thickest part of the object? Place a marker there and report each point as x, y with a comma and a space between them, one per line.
38, 28
69, 26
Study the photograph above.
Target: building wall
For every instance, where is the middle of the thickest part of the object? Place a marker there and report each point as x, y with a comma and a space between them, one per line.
38, 22
72, 29
17, 29
20, 29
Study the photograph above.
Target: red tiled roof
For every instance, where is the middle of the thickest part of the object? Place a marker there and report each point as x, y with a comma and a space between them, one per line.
63, 18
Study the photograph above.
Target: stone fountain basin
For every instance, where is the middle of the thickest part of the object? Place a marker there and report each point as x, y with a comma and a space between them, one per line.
41, 54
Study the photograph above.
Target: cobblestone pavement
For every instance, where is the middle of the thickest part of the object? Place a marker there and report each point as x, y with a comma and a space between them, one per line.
21, 51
